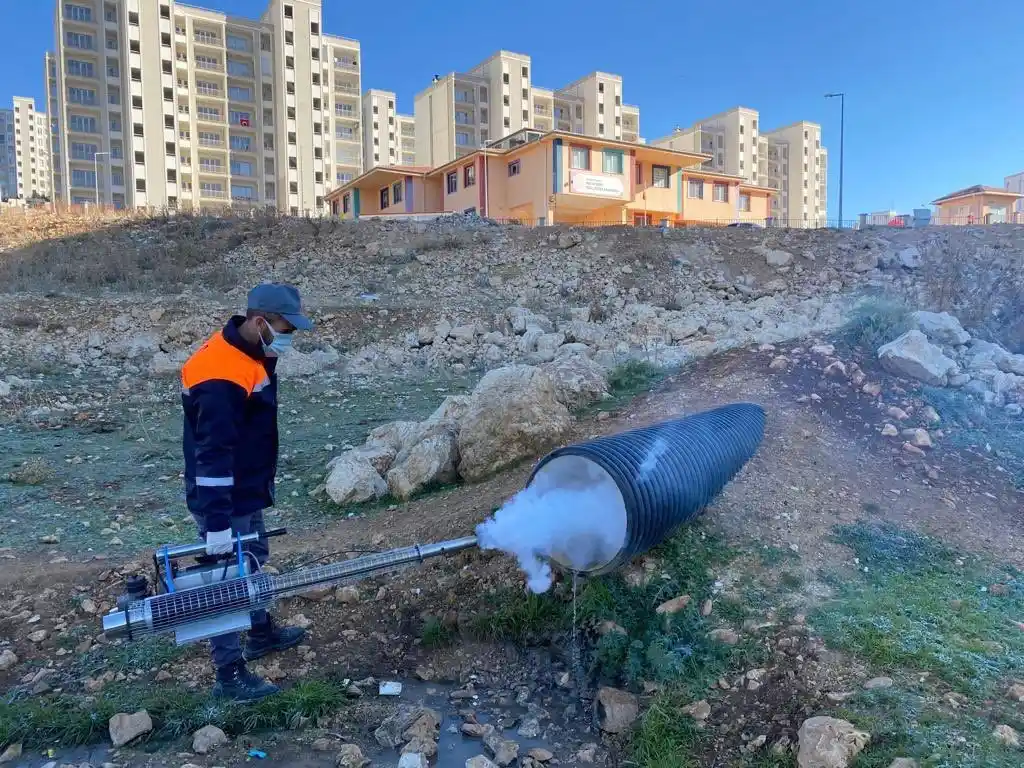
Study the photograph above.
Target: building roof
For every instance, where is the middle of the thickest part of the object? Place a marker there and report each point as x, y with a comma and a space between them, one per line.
380, 170
977, 189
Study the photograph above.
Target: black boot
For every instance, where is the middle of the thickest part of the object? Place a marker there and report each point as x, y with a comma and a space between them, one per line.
236, 682
268, 638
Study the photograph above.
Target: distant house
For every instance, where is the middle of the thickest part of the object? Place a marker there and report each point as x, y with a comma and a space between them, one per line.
977, 205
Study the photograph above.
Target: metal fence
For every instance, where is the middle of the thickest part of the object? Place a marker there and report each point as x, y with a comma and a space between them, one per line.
663, 223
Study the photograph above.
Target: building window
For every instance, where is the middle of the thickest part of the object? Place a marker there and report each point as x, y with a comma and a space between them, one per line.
288, 13
80, 178
579, 158
613, 161
452, 182
461, 139
744, 202
639, 173
660, 175
78, 40
384, 202
345, 202
80, 68
396, 192
695, 189
513, 168
469, 176
720, 193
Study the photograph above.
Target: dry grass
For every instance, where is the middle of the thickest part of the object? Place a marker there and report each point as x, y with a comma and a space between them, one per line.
982, 286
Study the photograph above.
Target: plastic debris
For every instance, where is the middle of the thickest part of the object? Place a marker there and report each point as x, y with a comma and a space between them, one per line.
390, 688
259, 754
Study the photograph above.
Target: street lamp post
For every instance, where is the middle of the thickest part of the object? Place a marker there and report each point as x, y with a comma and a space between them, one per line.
96, 174
842, 120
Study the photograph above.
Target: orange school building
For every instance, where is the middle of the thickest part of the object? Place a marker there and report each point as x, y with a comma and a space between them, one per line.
560, 178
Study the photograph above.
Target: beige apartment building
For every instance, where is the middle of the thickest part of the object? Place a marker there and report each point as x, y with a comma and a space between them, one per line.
177, 106
789, 159
389, 138
1015, 183
57, 188
24, 151
463, 111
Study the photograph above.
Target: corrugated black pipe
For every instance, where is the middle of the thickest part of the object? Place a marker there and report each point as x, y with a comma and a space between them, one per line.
668, 473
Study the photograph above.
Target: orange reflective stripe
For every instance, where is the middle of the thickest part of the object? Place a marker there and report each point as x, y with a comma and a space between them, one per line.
217, 359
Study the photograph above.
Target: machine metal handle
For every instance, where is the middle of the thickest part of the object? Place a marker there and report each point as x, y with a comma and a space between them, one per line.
199, 547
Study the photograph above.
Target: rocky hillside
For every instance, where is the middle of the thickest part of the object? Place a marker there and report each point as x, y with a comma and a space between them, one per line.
135, 296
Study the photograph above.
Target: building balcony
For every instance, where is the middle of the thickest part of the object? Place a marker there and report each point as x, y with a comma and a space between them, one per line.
346, 89
207, 39
212, 144
210, 93
347, 65
206, 66
353, 138
211, 170
204, 117
539, 110
347, 160
213, 194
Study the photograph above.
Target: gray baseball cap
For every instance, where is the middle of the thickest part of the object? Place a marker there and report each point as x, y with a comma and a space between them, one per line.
281, 299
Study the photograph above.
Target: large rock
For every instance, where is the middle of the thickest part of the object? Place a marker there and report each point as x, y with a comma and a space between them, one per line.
124, 727
350, 756
513, 413
208, 738
480, 761
451, 409
1012, 364
616, 710
826, 742
431, 461
940, 327
774, 258
397, 435
912, 355
391, 732
7, 659
579, 381
353, 480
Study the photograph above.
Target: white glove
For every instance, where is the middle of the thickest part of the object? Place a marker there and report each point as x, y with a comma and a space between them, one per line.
219, 542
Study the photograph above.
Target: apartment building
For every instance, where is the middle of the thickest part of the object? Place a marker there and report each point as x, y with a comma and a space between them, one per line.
789, 159
178, 106
797, 165
8, 158
463, 111
24, 151
389, 138
1015, 183
52, 118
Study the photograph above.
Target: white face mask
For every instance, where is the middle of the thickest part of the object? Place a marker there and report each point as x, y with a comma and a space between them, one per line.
280, 342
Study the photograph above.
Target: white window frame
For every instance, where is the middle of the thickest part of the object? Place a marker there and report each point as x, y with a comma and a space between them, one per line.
720, 192
695, 189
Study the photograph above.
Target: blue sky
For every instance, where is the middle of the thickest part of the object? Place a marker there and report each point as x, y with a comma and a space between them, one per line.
935, 96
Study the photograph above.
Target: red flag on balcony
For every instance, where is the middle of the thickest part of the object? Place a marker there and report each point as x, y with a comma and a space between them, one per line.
244, 122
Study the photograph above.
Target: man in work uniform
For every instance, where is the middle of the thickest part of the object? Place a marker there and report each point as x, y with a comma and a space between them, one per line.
229, 396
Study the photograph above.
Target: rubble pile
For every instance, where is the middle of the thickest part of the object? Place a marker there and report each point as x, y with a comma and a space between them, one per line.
940, 352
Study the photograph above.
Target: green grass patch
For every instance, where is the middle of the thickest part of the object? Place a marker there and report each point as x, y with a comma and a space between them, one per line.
666, 738
674, 650
633, 378
65, 720
912, 724
437, 634
875, 322
523, 618
920, 608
